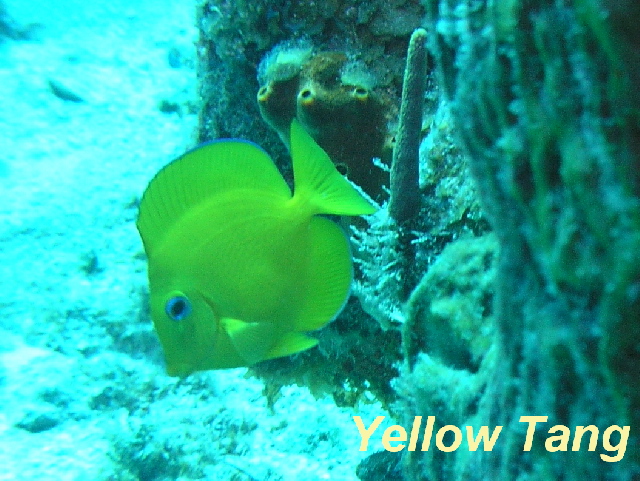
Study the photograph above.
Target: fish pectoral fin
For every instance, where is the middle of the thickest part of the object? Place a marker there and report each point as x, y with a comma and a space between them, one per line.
291, 343
252, 340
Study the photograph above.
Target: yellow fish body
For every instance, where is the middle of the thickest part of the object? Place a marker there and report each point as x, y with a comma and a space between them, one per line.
239, 268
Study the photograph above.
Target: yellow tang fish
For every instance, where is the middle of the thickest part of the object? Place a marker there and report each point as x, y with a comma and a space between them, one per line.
239, 268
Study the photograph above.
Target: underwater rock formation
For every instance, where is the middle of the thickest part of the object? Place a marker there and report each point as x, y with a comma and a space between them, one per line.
236, 36
546, 103
355, 354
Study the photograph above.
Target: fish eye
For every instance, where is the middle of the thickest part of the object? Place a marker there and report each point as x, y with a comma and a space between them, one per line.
178, 307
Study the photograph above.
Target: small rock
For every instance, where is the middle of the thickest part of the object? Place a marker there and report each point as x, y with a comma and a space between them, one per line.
39, 421
64, 92
380, 466
174, 57
167, 106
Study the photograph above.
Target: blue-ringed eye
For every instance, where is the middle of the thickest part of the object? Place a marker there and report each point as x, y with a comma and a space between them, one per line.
178, 307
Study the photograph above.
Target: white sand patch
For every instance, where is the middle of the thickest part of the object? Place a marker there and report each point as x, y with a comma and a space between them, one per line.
83, 396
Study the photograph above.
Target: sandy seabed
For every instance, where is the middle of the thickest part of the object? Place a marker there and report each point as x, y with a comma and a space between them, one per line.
83, 393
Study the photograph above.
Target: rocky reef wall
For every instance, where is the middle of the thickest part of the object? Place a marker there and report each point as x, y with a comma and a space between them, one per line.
545, 100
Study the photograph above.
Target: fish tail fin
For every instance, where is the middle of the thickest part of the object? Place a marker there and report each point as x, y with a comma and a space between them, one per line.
318, 181
330, 275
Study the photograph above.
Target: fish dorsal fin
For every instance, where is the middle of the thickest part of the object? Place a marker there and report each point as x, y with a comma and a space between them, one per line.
199, 174
318, 180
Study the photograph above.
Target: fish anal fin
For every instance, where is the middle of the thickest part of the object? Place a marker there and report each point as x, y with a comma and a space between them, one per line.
291, 343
